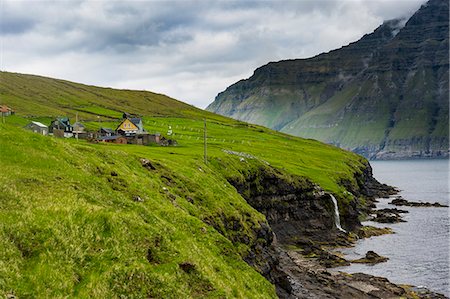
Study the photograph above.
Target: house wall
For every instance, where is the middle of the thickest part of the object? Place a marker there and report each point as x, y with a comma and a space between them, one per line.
121, 140
58, 133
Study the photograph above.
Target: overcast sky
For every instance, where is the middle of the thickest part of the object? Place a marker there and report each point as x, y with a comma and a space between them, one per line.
189, 50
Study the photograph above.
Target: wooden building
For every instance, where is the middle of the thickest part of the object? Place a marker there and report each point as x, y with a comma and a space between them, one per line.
61, 127
127, 128
78, 128
105, 132
131, 126
6, 111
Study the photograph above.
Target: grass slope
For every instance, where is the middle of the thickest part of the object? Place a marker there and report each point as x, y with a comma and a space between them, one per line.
70, 225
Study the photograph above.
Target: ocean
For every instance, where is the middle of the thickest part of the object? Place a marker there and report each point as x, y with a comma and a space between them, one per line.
418, 252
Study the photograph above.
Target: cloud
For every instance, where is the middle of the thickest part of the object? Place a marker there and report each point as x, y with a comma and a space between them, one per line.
189, 50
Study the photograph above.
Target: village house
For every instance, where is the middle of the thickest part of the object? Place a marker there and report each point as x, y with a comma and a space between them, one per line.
79, 131
129, 131
37, 127
78, 128
105, 132
130, 126
6, 111
61, 127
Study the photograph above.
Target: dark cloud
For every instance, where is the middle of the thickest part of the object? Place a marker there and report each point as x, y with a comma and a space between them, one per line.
190, 50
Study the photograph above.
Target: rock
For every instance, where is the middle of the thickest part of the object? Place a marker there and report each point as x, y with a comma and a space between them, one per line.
371, 258
137, 198
187, 267
388, 215
371, 231
299, 277
147, 164
398, 201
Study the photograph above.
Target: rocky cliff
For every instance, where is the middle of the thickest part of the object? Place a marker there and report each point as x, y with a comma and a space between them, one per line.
384, 96
300, 215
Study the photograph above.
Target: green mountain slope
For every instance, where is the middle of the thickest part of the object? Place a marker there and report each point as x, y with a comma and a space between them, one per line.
108, 221
384, 96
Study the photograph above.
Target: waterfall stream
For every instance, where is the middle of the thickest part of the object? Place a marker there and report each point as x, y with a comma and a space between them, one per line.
337, 220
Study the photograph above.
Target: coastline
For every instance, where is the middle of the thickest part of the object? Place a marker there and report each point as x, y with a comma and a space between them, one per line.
418, 249
301, 269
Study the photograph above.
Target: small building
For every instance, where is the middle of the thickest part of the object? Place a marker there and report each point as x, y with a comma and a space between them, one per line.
155, 138
61, 127
6, 111
78, 128
113, 139
37, 127
131, 126
127, 128
105, 132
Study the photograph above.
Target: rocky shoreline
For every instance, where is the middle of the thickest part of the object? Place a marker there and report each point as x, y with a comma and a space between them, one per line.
301, 239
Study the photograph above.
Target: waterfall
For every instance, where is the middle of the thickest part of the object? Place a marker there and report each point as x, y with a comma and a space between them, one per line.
337, 220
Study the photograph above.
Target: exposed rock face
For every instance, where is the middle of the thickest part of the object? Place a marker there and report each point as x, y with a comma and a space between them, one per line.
301, 214
384, 96
293, 207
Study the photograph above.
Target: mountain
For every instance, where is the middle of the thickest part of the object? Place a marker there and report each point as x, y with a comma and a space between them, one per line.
384, 96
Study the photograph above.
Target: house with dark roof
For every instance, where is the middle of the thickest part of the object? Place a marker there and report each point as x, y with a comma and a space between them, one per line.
78, 128
131, 126
105, 132
61, 127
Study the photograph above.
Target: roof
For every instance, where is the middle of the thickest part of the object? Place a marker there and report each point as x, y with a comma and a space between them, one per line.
136, 121
107, 130
4, 108
78, 124
39, 124
63, 121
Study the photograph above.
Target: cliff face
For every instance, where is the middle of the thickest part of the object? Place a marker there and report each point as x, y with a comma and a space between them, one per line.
384, 96
298, 213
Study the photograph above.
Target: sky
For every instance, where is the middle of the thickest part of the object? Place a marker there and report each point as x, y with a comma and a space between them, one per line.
188, 50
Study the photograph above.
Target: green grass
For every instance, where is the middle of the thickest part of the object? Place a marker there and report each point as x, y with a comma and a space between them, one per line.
69, 224
70, 228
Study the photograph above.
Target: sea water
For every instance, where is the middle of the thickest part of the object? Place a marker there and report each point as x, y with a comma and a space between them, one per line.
418, 252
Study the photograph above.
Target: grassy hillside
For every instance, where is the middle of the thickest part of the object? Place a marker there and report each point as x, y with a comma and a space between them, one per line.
72, 224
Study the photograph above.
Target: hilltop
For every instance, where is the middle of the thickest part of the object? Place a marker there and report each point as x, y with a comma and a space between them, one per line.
384, 96
109, 221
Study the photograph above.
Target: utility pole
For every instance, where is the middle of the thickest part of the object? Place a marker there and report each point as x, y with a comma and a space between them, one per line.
204, 141
76, 121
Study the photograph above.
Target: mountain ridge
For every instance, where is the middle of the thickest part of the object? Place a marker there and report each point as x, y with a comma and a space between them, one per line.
371, 96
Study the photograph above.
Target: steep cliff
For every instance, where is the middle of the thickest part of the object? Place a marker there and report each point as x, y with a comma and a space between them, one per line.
384, 96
